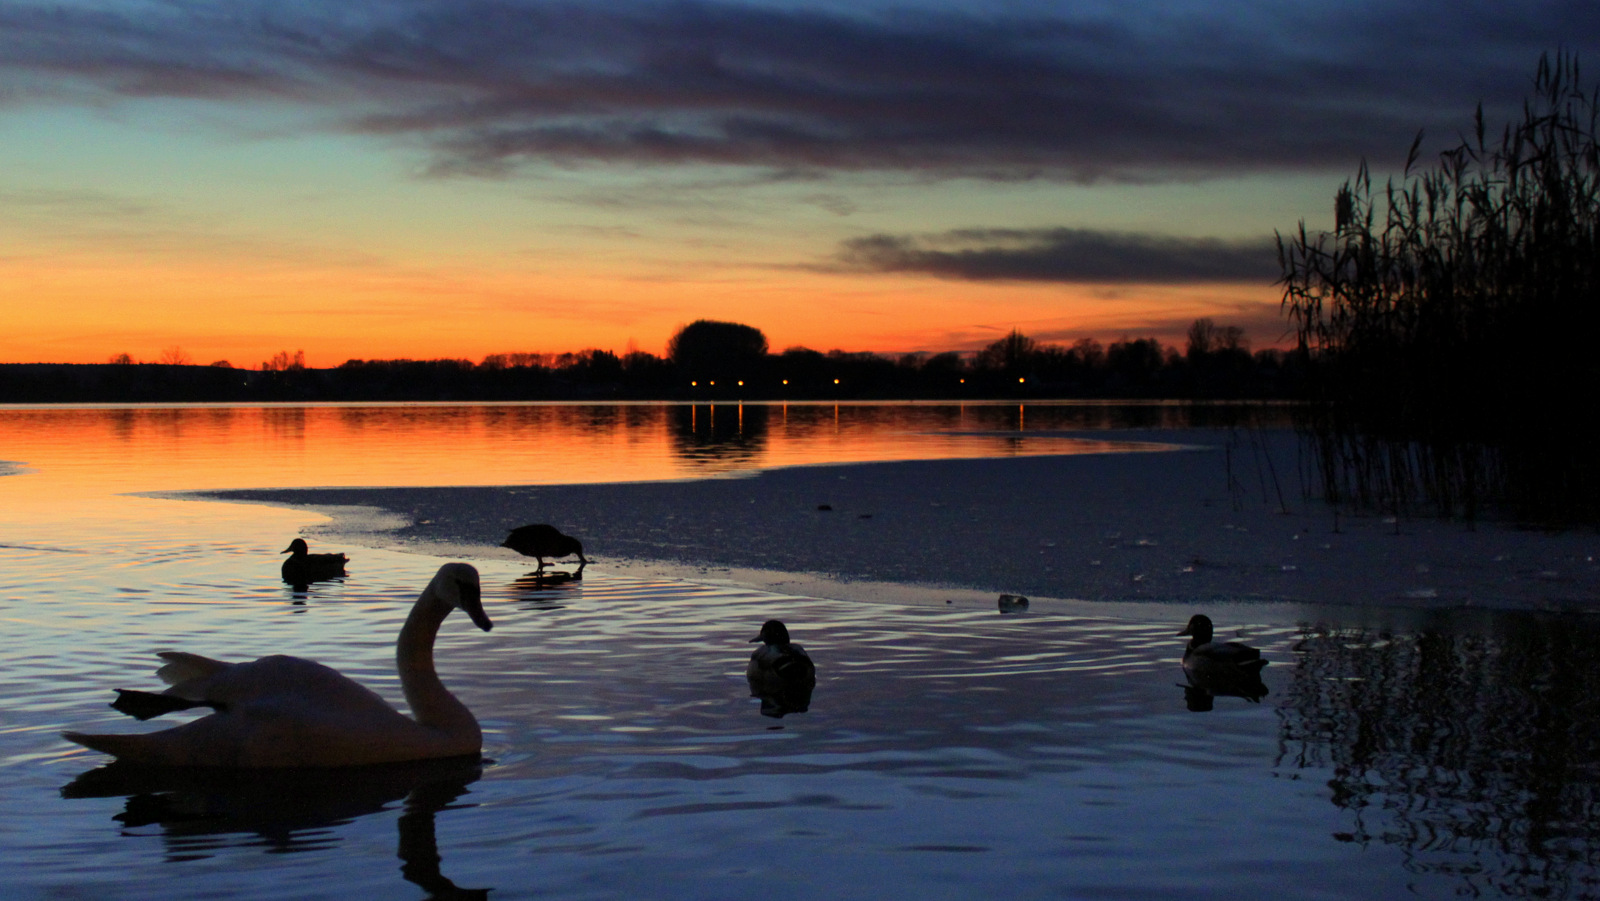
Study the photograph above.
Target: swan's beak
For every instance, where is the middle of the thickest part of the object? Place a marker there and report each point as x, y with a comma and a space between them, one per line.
471, 603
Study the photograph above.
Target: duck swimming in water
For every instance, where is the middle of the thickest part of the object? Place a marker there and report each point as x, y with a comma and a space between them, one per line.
541, 540
304, 567
1202, 651
284, 711
780, 672
778, 658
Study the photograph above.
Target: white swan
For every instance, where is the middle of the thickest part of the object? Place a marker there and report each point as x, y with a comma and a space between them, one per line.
287, 711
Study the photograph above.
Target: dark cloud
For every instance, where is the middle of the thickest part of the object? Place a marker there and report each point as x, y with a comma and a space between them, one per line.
1149, 93
1062, 255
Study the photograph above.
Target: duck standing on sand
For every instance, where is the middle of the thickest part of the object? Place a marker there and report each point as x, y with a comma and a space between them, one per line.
283, 711
304, 567
541, 540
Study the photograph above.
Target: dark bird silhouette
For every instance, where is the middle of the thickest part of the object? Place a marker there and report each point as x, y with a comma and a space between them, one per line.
780, 673
304, 567
1218, 668
541, 540
1202, 651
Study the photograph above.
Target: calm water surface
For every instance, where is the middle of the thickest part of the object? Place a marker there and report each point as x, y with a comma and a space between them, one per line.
948, 751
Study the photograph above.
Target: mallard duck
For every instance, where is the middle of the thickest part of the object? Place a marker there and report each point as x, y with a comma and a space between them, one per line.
1202, 651
541, 540
778, 658
284, 711
780, 672
304, 567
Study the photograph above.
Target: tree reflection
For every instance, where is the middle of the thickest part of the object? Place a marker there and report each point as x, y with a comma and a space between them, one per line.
1474, 749
720, 435
290, 810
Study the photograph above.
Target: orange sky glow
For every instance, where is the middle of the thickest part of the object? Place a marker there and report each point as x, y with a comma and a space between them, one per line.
411, 180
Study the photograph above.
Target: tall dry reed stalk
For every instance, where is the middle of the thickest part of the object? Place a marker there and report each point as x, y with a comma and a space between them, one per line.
1454, 317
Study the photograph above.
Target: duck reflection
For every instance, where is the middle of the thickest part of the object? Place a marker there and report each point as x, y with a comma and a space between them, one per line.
1206, 684
544, 590
291, 809
778, 699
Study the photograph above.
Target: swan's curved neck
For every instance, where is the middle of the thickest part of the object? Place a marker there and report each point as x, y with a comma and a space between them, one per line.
431, 703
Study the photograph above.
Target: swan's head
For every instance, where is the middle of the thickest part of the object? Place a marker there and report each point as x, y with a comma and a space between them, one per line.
1199, 627
457, 585
772, 632
296, 547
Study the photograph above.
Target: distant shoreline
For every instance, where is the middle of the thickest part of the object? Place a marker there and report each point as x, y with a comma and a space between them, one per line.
1139, 527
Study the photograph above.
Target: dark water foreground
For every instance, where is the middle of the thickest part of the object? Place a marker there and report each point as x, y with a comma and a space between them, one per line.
947, 749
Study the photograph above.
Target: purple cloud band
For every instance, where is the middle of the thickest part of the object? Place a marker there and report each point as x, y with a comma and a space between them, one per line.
1063, 255
1139, 92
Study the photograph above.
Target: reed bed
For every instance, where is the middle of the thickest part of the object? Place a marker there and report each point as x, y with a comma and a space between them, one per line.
1453, 316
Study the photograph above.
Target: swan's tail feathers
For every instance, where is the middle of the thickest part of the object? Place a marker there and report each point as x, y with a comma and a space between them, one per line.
126, 747
181, 667
142, 705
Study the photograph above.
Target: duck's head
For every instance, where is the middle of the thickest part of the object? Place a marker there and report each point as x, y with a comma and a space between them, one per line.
1199, 628
457, 585
296, 547
772, 632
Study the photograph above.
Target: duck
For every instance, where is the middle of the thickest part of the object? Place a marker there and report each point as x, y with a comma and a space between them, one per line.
779, 660
1204, 653
304, 567
283, 711
541, 540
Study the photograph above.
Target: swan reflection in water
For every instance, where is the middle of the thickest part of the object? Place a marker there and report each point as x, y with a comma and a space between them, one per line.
291, 809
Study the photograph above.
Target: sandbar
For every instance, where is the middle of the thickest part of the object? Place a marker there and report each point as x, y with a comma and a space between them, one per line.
1225, 517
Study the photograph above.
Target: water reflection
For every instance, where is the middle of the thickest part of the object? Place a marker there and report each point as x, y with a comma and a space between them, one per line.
1204, 685
87, 450
284, 811
1470, 743
726, 436
780, 698
545, 590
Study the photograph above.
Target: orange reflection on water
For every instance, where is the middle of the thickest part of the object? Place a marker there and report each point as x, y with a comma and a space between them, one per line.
134, 448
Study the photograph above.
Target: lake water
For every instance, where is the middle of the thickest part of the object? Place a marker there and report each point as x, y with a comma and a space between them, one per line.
948, 751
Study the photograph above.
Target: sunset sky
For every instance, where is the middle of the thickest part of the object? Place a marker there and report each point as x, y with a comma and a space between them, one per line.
363, 179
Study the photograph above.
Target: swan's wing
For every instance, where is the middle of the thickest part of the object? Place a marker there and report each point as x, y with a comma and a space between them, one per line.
182, 667
278, 682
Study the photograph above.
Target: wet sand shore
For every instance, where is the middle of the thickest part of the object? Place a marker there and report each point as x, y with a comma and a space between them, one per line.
1223, 519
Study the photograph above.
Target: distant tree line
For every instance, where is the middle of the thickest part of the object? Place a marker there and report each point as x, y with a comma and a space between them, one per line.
706, 360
